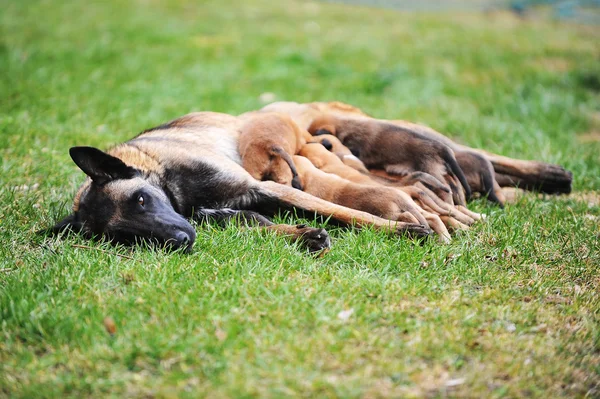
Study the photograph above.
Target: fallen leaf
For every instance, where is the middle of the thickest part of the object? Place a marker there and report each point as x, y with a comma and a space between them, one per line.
455, 382
220, 334
344, 315
110, 326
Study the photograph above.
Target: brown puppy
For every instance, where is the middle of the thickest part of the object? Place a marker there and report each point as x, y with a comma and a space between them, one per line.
380, 201
267, 141
398, 151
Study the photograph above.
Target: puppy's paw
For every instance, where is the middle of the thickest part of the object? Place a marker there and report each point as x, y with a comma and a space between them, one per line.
315, 239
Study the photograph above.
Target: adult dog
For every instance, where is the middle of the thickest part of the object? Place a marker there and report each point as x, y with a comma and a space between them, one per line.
191, 168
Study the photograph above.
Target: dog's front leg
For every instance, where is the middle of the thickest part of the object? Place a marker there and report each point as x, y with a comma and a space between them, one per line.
314, 239
284, 197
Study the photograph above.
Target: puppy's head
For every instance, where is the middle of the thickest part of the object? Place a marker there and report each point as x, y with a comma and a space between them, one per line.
324, 124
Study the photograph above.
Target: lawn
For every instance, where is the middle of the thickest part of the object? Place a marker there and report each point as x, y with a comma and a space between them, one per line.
510, 308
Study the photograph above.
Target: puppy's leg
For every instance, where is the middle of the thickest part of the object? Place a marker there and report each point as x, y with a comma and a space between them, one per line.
453, 223
438, 226
480, 175
281, 196
315, 239
431, 202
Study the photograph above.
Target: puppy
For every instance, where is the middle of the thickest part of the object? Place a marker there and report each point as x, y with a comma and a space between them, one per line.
398, 151
267, 142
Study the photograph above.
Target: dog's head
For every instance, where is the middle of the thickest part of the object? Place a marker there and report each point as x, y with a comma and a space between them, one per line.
123, 204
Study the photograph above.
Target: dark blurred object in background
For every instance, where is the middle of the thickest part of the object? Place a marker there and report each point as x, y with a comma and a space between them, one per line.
578, 11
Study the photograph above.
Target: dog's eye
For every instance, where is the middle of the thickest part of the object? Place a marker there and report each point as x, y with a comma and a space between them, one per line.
141, 200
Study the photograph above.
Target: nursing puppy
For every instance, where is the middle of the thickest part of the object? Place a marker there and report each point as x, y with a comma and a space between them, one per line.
395, 150
379, 201
267, 142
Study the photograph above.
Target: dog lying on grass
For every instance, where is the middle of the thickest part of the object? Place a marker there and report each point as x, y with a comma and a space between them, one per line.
193, 168
190, 168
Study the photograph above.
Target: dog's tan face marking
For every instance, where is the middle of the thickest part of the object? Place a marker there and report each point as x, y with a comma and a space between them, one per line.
123, 189
143, 161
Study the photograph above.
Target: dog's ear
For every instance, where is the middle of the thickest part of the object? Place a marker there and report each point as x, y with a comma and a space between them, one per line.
100, 166
69, 223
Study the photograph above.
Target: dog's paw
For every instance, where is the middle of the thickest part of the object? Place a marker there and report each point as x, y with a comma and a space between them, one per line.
315, 239
413, 230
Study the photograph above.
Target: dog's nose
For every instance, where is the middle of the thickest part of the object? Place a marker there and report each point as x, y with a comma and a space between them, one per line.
183, 240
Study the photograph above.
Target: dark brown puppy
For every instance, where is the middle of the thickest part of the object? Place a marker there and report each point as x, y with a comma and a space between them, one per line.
420, 179
508, 172
267, 141
398, 151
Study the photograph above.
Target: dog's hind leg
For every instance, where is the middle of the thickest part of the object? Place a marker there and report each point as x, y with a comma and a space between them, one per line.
315, 239
480, 175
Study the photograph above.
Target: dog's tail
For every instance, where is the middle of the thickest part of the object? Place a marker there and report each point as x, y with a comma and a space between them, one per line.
279, 151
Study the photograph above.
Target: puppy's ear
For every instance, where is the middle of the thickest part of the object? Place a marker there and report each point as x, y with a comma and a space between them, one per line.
100, 166
322, 131
69, 223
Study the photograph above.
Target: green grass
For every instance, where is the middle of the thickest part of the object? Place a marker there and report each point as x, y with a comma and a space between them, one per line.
510, 308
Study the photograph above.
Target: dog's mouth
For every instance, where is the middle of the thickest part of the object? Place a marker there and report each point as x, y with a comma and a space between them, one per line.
180, 240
